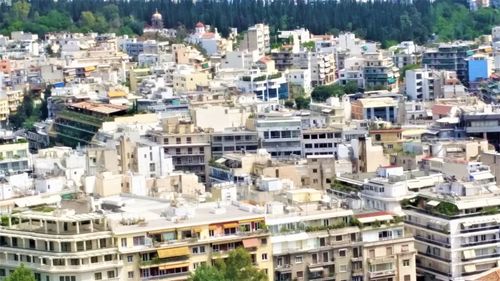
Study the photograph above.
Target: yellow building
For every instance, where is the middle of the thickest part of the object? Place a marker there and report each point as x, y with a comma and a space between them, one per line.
188, 81
167, 243
4, 109
390, 138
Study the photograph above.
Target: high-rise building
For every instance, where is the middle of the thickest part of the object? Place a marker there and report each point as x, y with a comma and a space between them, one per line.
256, 38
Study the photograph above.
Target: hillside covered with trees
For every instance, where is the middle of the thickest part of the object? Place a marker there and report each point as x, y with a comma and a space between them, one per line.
378, 20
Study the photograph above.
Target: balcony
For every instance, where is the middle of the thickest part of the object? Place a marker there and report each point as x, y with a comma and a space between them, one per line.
167, 276
433, 241
383, 273
483, 242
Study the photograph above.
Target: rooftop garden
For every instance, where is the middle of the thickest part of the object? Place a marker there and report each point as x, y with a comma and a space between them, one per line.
343, 187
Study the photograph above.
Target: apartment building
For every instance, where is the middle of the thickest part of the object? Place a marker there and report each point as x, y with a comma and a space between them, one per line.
380, 108
311, 241
267, 87
237, 168
14, 155
161, 240
388, 252
60, 245
78, 123
280, 135
455, 226
420, 84
233, 141
256, 38
449, 57
188, 146
352, 72
379, 71
321, 141
321, 171
323, 71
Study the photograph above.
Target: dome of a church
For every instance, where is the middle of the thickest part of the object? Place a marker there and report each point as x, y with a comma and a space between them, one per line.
157, 16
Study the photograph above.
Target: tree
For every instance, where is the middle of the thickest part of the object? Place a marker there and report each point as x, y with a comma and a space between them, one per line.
238, 266
351, 87
21, 273
302, 102
322, 93
87, 20
289, 103
21, 9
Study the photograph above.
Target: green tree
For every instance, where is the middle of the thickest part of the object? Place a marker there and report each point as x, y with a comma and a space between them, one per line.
302, 102
322, 93
21, 9
21, 273
351, 87
289, 103
87, 21
402, 71
238, 266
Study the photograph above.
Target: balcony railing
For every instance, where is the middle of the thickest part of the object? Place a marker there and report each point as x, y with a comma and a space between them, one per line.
383, 273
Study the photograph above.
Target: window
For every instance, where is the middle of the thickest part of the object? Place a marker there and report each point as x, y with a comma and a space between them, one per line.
343, 268
404, 248
300, 274
139, 240
338, 238
406, 262
108, 257
264, 256
378, 137
130, 258
111, 274
407, 278
98, 276
372, 253
298, 259
124, 242
93, 260
315, 171
342, 253
263, 241
130, 274
2, 272
388, 251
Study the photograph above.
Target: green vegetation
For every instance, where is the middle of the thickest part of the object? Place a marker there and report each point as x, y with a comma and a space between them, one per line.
21, 273
302, 102
309, 45
238, 266
446, 208
322, 93
383, 21
338, 225
44, 209
340, 186
491, 210
27, 113
402, 71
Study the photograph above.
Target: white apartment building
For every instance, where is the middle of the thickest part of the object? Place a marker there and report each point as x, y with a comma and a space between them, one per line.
256, 38
385, 191
280, 135
300, 77
420, 84
60, 246
267, 86
322, 68
240, 59
455, 225
352, 72
321, 141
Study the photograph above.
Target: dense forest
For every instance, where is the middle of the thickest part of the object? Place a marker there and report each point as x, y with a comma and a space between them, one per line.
384, 21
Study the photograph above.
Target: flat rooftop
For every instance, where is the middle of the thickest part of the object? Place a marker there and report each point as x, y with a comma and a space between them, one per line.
152, 210
102, 108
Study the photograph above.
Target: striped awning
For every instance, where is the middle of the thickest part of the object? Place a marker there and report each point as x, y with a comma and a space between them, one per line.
173, 252
230, 225
251, 243
170, 266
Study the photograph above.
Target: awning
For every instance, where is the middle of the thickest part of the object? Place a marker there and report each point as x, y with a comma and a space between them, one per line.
470, 268
251, 220
251, 243
170, 266
197, 229
469, 254
433, 203
230, 225
316, 269
173, 252
212, 227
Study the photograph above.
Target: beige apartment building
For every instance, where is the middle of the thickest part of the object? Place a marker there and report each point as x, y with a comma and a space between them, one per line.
189, 146
257, 38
